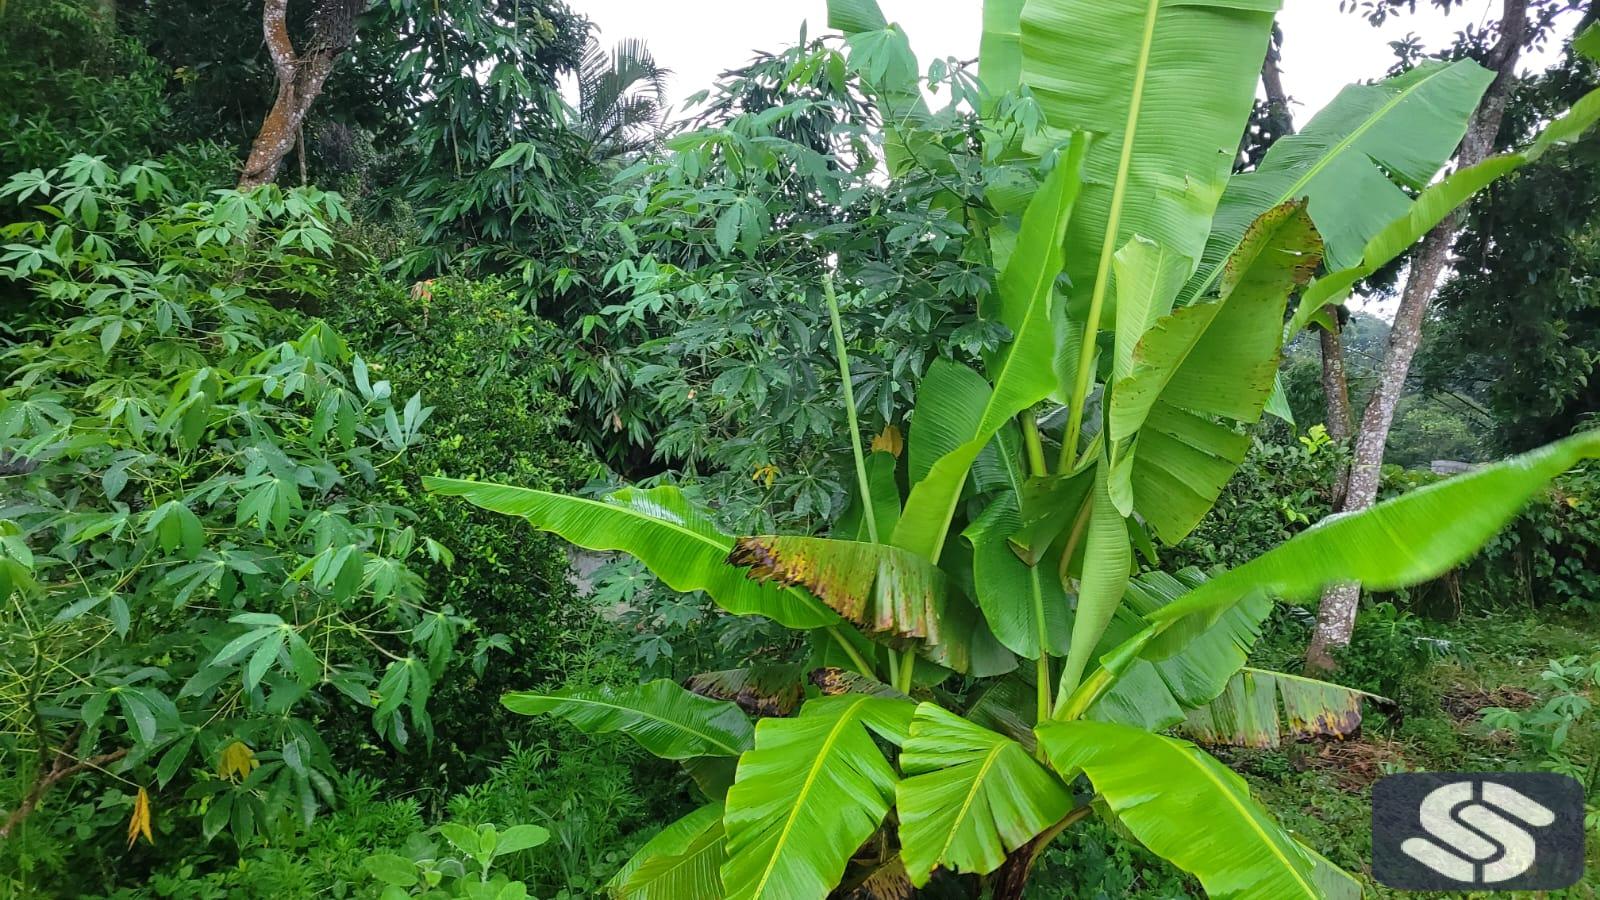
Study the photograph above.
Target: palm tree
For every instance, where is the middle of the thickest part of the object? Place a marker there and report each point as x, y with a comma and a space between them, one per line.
621, 99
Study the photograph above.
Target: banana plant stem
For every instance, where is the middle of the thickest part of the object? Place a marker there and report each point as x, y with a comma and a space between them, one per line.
856, 658
1039, 468
867, 512
1030, 438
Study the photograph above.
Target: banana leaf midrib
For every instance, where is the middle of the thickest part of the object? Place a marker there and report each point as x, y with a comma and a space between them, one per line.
1322, 163
972, 796
805, 596
1231, 795
846, 719
634, 710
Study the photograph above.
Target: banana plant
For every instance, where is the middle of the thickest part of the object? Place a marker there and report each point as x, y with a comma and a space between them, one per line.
991, 662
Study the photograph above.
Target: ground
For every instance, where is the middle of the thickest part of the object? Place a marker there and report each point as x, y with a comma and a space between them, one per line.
1323, 792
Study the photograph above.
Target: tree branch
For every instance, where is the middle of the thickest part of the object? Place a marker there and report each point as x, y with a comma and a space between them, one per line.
63, 767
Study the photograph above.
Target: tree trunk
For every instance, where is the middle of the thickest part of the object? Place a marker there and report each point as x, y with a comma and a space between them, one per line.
1279, 117
300, 79
1010, 880
1336, 618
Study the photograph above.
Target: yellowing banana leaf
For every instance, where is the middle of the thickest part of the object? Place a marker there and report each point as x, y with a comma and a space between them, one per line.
772, 690
682, 861
884, 589
1201, 364
662, 717
1350, 162
662, 529
969, 796
1157, 785
1167, 86
1247, 712
810, 793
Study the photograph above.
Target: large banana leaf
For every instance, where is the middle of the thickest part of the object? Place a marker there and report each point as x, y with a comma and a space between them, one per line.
1107, 561
1155, 695
969, 796
665, 719
1204, 363
1402, 541
885, 493
884, 589
1435, 204
1187, 807
1007, 705
680, 862
1000, 50
1021, 372
662, 529
810, 793
1167, 86
1246, 714
1347, 162
1588, 43
1024, 604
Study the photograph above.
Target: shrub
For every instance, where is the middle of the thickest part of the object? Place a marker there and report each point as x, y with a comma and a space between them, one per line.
205, 564
478, 356
1548, 556
1284, 486
73, 85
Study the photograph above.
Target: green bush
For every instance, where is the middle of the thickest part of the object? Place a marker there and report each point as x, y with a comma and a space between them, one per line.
1549, 556
73, 85
1284, 486
477, 355
207, 567
580, 792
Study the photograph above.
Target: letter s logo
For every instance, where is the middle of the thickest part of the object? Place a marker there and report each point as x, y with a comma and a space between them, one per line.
1476, 842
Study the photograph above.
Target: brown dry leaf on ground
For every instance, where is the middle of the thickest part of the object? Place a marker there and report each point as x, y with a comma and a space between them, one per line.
1464, 702
1355, 765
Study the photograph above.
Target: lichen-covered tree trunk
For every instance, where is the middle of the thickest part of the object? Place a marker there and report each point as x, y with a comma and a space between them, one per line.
300, 76
1336, 617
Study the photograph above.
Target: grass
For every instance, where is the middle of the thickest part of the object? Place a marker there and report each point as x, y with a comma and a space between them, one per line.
1323, 792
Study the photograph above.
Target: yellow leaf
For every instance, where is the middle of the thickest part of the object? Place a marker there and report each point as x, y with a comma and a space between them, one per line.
890, 441
139, 822
237, 762
764, 475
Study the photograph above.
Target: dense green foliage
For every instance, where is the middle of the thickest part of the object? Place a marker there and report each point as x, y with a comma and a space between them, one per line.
1517, 324
474, 343
249, 652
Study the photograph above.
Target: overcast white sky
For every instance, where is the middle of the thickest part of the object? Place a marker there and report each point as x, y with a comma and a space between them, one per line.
699, 39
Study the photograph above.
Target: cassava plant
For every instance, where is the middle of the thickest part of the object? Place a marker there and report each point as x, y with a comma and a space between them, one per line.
986, 668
